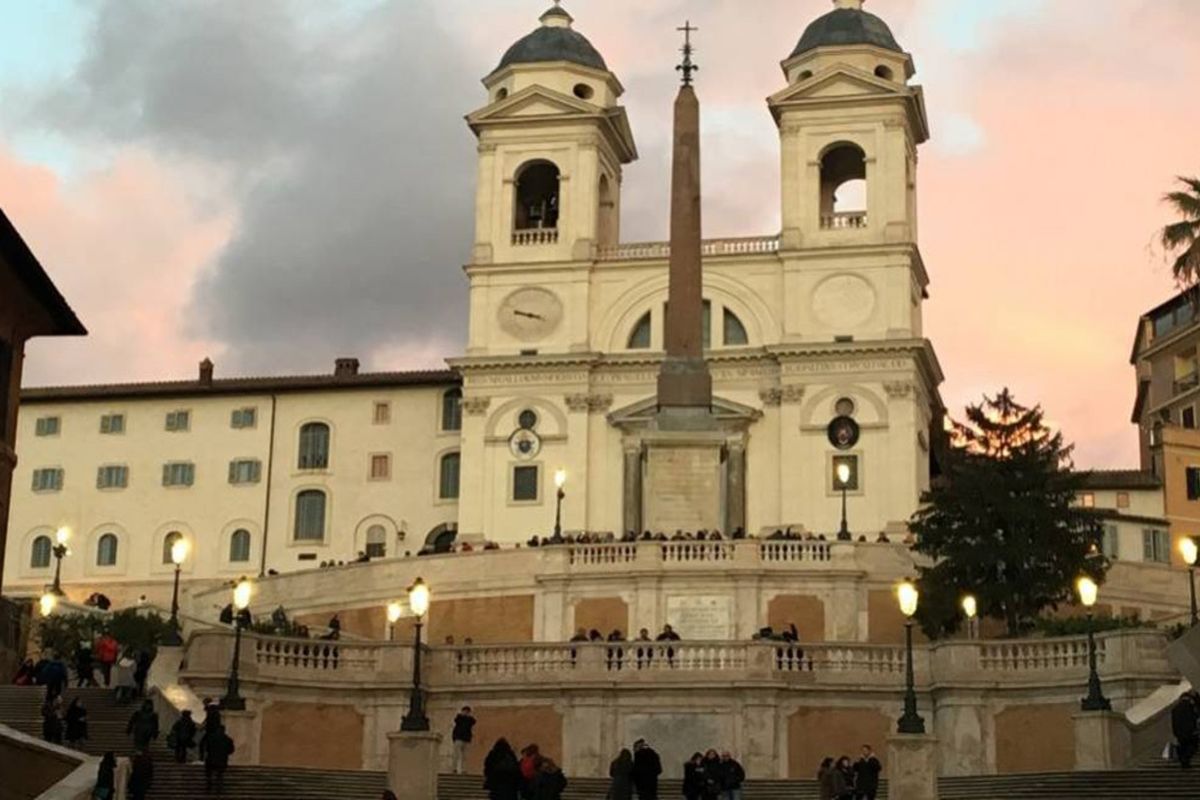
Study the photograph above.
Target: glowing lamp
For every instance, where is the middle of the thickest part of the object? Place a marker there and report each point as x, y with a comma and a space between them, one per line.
908, 595
62, 534
241, 594
394, 612
970, 606
1189, 550
47, 603
179, 551
843, 474
560, 478
418, 597
1088, 590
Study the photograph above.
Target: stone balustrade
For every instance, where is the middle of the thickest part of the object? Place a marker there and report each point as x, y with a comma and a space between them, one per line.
534, 236
646, 251
844, 220
756, 553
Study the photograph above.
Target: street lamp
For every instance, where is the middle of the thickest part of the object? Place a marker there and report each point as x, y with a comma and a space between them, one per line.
394, 612
47, 603
560, 480
911, 721
971, 609
1189, 550
179, 554
1095, 700
60, 551
418, 601
233, 700
843, 476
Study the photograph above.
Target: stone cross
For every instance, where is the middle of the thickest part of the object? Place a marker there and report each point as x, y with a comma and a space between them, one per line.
687, 67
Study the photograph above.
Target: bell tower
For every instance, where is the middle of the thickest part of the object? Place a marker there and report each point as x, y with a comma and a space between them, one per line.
849, 124
552, 143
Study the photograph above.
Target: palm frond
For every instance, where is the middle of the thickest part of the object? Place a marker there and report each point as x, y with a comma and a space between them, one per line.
1194, 183
1186, 268
1179, 234
1185, 203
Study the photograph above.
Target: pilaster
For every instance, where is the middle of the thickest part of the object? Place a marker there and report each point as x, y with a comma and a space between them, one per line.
413, 764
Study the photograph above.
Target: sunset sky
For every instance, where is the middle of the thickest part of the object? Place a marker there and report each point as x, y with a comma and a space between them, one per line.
278, 182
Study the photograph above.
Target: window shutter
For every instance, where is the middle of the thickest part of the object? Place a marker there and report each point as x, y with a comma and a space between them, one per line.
189, 473
233, 471
100, 478
257, 471
166, 475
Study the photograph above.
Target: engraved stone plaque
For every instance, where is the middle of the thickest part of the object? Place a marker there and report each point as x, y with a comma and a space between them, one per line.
683, 487
701, 618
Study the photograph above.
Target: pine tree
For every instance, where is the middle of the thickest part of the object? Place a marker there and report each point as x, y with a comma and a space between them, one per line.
1001, 522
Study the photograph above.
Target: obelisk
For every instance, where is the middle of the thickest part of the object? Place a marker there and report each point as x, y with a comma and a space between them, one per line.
684, 382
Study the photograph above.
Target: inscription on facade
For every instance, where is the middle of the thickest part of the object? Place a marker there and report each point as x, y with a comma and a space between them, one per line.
683, 488
704, 618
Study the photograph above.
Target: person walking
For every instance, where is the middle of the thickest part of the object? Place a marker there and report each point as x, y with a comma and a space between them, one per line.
52, 722
126, 685
85, 670
106, 652
464, 726
647, 766
106, 778
143, 726
501, 772
866, 774
141, 774
549, 783
732, 775
142, 671
53, 676
1184, 718
620, 775
215, 749
76, 729
182, 737
693, 777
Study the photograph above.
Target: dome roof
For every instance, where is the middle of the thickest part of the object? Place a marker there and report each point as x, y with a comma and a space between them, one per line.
847, 25
555, 40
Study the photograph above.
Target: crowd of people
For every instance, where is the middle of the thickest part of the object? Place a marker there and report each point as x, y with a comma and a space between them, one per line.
846, 780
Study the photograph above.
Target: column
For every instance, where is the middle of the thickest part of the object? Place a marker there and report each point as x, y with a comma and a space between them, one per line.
413, 764
735, 489
912, 767
632, 495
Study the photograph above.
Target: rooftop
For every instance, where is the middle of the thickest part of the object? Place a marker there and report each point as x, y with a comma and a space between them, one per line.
1107, 479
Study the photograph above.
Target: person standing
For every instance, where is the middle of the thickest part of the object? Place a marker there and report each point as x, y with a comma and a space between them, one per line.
647, 766
141, 774
866, 774
106, 651
733, 775
1184, 719
215, 748
464, 726
54, 676
52, 722
143, 726
126, 685
620, 774
501, 772
85, 670
825, 779
106, 778
76, 723
182, 737
549, 783
710, 768
693, 777
142, 671
846, 773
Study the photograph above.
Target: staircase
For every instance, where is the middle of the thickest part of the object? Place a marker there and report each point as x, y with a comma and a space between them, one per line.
469, 787
1159, 782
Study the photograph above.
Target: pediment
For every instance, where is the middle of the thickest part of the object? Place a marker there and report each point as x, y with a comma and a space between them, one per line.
643, 413
533, 101
839, 81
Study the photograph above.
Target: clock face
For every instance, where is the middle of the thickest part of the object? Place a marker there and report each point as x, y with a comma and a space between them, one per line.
530, 314
524, 444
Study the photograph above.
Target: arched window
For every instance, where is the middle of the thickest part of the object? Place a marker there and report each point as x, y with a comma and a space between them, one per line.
607, 224
884, 72
39, 557
452, 410
844, 187
239, 546
639, 338
168, 543
314, 446
537, 196
310, 516
441, 538
735, 331
448, 474
376, 541
106, 550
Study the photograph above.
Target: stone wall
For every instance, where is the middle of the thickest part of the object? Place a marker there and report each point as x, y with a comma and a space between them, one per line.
805, 611
604, 614
1052, 749
311, 735
818, 732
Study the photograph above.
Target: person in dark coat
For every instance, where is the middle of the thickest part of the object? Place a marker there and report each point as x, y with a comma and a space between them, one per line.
866, 774
141, 775
549, 783
53, 675
710, 768
501, 772
142, 671
25, 674
143, 726
464, 725
215, 748
846, 772
647, 766
531, 759
620, 773
1184, 718
85, 666
825, 780
182, 737
76, 723
732, 775
52, 722
693, 777
106, 778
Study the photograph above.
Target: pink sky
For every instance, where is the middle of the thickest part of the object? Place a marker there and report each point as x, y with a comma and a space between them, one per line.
1057, 126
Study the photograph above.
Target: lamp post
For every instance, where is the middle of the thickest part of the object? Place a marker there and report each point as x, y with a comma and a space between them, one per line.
233, 700
415, 720
971, 608
47, 603
1189, 550
60, 551
1095, 700
179, 554
911, 721
394, 611
843, 476
560, 480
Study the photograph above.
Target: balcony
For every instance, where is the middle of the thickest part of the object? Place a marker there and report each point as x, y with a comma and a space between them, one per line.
1186, 383
643, 251
844, 220
535, 236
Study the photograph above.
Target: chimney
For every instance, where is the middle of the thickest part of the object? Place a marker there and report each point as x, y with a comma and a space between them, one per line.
345, 367
206, 372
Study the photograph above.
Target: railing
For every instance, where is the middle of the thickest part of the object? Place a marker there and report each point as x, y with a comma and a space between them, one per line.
1049, 654
791, 551
535, 236
871, 659
843, 220
602, 554
683, 552
512, 659
1186, 383
304, 655
744, 553
637, 251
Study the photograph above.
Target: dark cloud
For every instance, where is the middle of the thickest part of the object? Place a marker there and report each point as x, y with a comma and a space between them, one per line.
343, 140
